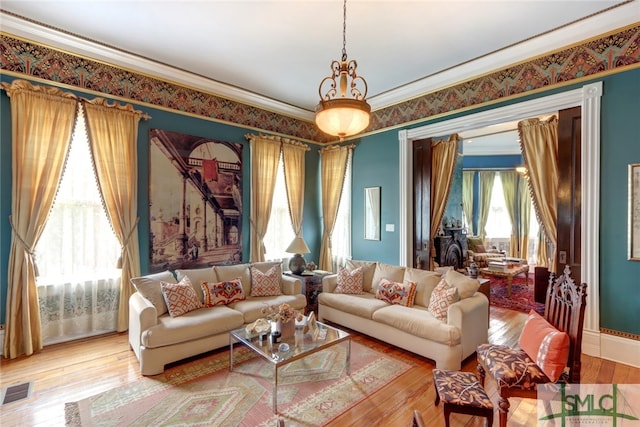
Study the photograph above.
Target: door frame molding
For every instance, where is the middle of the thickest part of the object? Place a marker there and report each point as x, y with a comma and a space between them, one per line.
588, 98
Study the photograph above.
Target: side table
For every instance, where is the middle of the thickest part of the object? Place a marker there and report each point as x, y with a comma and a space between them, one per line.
311, 287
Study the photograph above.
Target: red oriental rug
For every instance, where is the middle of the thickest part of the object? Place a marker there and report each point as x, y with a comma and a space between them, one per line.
202, 392
521, 298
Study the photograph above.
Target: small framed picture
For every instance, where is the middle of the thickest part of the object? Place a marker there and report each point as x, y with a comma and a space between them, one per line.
634, 211
312, 326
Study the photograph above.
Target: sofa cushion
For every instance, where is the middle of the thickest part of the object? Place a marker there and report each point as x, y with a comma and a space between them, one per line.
368, 267
196, 324
197, 276
363, 305
546, 345
386, 271
222, 293
426, 281
441, 298
266, 284
349, 282
251, 308
397, 293
466, 285
149, 286
474, 243
418, 321
226, 273
180, 297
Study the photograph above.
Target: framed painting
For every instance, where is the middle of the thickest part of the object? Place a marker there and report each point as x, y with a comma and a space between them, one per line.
634, 211
195, 201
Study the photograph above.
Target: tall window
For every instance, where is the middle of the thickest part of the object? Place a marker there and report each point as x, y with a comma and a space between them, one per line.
279, 231
341, 237
498, 226
79, 284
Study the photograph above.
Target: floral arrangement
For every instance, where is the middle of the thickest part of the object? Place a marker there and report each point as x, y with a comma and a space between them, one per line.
283, 312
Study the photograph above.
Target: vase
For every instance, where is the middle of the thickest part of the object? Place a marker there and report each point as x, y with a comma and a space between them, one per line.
473, 270
288, 329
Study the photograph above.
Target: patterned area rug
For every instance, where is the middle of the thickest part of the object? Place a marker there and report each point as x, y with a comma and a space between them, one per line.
311, 391
521, 298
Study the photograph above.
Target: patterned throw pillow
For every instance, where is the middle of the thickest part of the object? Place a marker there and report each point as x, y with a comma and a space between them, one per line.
441, 298
349, 282
546, 345
397, 293
266, 284
222, 293
181, 298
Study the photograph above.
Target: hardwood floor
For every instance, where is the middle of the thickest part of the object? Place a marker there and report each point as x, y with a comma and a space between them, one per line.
73, 371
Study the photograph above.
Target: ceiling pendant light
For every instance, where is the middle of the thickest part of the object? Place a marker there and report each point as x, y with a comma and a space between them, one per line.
343, 110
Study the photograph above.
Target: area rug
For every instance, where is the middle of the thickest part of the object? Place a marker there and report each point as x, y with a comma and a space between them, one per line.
202, 392
521, 298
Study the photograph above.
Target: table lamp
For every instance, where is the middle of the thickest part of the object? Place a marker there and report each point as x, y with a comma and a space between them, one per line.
297, 264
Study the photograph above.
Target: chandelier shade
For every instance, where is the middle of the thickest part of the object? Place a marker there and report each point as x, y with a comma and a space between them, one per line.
343, 110
342, 117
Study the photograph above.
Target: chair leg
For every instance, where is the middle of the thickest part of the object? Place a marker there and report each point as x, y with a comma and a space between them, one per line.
503, 408
482, 374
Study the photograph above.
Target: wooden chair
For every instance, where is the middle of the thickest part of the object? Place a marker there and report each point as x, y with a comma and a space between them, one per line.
516, 374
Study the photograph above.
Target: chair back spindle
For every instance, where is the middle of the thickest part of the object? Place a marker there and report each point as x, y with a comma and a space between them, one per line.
564, 308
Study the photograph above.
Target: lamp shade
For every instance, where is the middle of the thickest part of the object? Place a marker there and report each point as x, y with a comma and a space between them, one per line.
342, 117
298, 246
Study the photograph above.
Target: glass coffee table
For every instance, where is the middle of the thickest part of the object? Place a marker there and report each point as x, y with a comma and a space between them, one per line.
300, 345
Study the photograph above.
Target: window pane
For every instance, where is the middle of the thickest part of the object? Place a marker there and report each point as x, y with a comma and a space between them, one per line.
78, 241
498, 226
279, 231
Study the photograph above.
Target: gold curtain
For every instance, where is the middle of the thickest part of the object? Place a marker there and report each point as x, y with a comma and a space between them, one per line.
467, 198
42, 121
443, 162
487, 179
113, 136
333, 168
539, 146
293, 157
509, 181
265, 155
524, 204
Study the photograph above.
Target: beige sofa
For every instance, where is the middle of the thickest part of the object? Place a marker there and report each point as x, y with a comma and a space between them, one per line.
414, 328
157, 338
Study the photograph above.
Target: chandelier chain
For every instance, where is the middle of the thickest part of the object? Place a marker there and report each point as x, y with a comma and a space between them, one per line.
344, 31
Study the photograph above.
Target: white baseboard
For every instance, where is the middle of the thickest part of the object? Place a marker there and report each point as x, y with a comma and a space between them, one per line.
621, 350
591, 343
611, 347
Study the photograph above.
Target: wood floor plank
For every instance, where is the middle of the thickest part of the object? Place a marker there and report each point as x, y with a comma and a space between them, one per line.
73, 371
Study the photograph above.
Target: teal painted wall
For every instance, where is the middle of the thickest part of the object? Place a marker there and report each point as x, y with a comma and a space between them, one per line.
620, 146
375, 164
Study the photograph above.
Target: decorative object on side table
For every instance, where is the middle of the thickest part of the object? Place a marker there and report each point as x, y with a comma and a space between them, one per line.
297, 264
473, 270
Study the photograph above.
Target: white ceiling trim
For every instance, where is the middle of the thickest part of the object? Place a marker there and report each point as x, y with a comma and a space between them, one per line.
79, 46
616, 18
619, 17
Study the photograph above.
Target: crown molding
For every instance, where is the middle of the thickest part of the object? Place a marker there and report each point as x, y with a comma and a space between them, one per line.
46, 36
618, 17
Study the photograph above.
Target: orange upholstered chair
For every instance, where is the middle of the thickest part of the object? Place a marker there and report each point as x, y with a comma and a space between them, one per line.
517, 371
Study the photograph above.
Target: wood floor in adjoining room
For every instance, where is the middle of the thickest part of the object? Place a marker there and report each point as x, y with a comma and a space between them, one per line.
73, 371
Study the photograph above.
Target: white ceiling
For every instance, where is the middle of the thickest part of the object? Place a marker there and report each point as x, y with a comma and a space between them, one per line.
274, 54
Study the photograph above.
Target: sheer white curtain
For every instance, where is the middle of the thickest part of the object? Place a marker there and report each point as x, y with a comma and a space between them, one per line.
279, 231
79, 284
341, 237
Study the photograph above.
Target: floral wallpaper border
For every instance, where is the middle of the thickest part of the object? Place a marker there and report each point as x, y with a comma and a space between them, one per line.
607, 53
